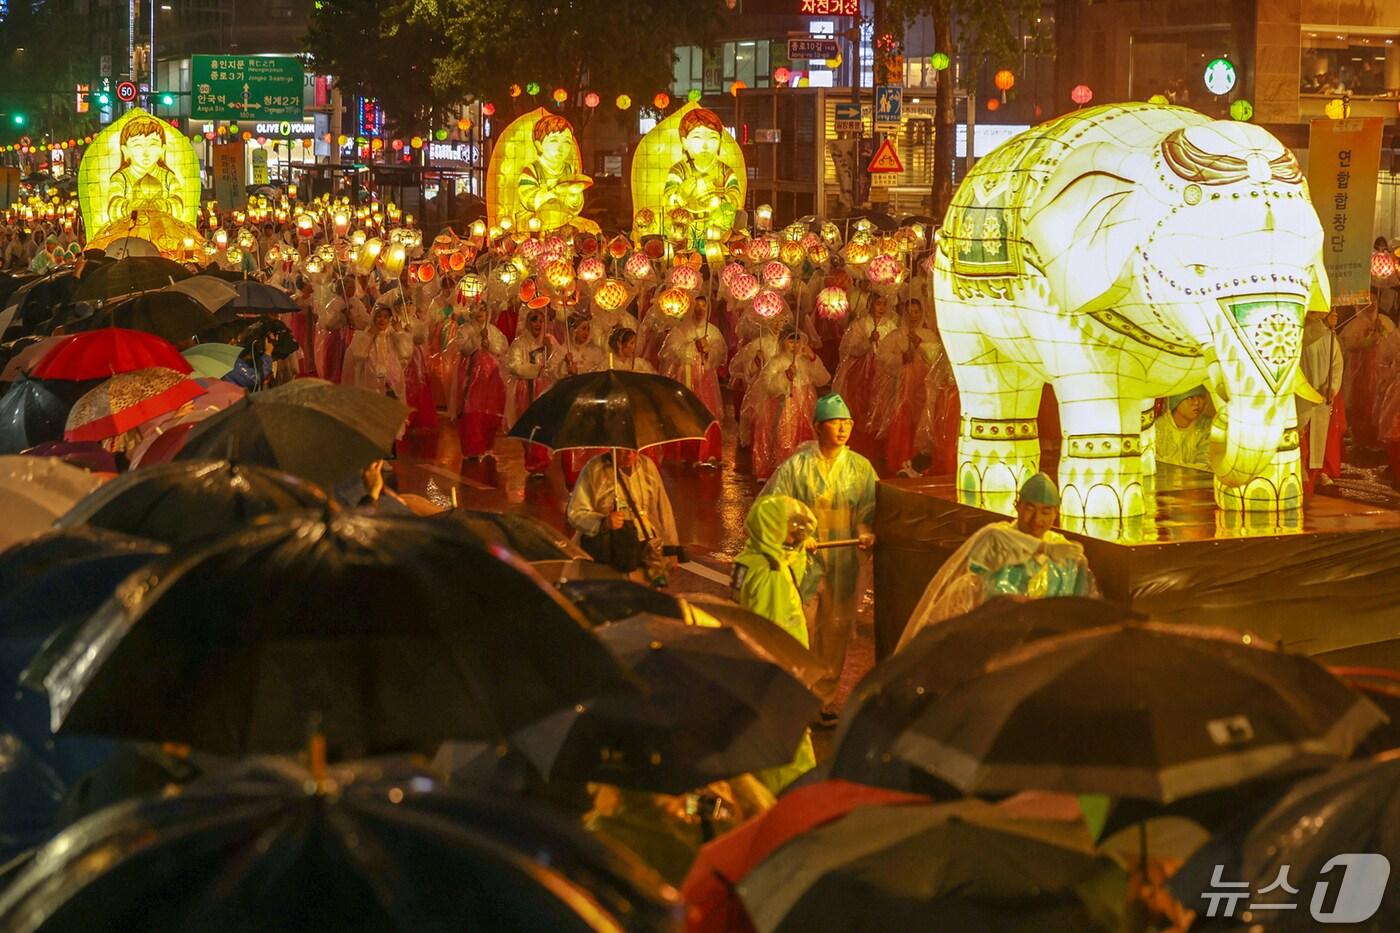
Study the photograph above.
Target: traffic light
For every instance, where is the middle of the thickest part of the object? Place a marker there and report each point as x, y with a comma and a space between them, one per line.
167, 99
18, 119
103, 98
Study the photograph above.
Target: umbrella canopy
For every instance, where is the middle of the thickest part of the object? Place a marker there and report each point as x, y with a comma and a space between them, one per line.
173, 315
723, 863
308, 427
398, 633
128, 277
370, 853
259, 298
603, 601
211, 292
178, 503
212, 360
613, 408
105, 352
1353, 808
90, 455
128, 400
28, 561
897, 691
527, 536
37, 299
125, 246
1146, 710
36, 490
167, 438
23, 361
34, 411
954, 866
710, 708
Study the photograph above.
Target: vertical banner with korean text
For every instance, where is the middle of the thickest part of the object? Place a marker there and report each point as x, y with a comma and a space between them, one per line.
228, 175
1344, 159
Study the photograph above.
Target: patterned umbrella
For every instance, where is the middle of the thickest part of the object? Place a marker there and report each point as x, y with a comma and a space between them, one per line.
128, 400
105, 352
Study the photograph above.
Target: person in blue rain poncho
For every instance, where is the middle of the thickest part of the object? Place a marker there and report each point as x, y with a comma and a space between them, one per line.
838, 485
1021, 559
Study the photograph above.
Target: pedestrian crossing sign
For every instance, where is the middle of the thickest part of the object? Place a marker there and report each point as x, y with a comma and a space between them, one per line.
886, 159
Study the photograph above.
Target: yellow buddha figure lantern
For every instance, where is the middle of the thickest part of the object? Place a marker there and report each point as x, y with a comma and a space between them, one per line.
535, 176
139, 177
688, 171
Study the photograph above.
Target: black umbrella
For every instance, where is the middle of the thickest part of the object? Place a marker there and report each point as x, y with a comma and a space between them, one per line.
1338, 827
366, 853
179, 503
170, 314
603, 601
128, 277
35, 410
529, 537
1147, 710
396, 633
258, 297
36, 557
953, 866
613, 408
38, 298
710, 707
308, 427
898, 689
764, 636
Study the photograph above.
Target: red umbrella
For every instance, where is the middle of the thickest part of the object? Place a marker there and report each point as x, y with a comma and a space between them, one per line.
128, 400
722, 864
107, 351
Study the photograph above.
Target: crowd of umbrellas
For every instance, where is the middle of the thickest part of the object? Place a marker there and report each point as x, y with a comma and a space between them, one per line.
232, 701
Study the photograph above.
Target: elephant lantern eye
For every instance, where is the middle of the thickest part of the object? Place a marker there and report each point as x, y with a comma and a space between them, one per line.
1197, 268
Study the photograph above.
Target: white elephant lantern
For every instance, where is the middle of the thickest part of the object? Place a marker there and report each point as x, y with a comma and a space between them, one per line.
1121, 254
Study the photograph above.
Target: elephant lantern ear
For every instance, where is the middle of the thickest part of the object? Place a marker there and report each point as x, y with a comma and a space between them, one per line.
1088, 222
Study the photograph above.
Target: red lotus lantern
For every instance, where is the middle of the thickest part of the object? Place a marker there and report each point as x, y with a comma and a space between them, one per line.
591, 100
1382, 264
618, 246
591, 270
674, 302
610, 295
686, 277
745, 287
777, 276
781, 76
833, 303
885, 270
638, 268
1081, 94
768, 304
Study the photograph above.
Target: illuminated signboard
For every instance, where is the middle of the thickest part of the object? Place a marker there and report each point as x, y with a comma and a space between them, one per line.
369, 120
830, 7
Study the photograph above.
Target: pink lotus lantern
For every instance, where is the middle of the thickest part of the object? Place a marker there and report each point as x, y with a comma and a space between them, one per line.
554, 248
610, 295
745, 287
885, 270
591, 270
530, 251
833, 303
730, 273
674, 302
777, 276
1382, 264
686, 277
810, 240
768, 304
638, 269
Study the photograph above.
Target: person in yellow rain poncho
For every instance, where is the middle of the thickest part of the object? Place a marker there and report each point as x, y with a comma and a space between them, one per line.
1183, 434
1023, 559
767, 581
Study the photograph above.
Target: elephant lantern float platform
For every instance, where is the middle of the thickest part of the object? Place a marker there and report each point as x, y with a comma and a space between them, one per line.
1122, 254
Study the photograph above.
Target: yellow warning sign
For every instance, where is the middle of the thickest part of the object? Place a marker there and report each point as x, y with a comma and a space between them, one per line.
886, 159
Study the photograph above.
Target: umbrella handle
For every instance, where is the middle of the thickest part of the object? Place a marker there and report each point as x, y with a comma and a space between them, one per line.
840, 542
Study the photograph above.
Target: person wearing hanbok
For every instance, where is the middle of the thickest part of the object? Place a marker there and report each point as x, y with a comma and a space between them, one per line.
1320, 422
1022, 559
1181, 437
900, 398
526, 380
1365, 340
576, 355
479, 403
691, 355
376, 357
744, 369
860, 346
838, 485
417, 376
622, 352
782, 401
335, 326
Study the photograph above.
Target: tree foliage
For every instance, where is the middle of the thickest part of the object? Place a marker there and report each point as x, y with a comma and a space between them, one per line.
433, 53
39, 65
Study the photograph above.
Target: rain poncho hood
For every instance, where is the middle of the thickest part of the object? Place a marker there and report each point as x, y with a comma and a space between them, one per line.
767, 527
767, 575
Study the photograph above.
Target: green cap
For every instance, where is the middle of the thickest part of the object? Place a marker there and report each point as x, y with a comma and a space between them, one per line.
830, 407
1039, 490
1176, 400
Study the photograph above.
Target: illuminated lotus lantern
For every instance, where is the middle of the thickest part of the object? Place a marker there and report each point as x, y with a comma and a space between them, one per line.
246, 240
1382, 264
819, 255
833, 303
424, 272
777, 276
619, 246
764, 249
678, 223
885, 272
610, 295
591, 271
470, 288
793, 254
745, 287
674, 302
553, 248
810, 240
638, 269
858, 255
686, 277
768, 304
234, 255
326, 253
586, 244
729, 274
1145, 250
530, 250
458, 261
644, 222
559, 276
656, 247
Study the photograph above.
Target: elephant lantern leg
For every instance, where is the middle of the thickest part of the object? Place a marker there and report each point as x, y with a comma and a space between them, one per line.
1278, 490
1101, 469
998, 440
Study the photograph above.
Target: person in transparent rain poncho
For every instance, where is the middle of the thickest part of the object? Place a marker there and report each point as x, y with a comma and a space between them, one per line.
1020, 559
478, 391
900, 397
860, 347
691, 355
782, 400
838, 485
526, 380
376, 356
744, 369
